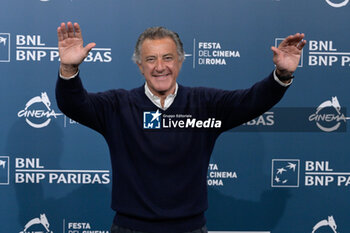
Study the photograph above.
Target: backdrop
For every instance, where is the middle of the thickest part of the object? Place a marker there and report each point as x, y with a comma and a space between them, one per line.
287, 171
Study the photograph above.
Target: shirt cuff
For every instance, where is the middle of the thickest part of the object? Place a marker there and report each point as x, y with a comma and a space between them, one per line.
67, 78
279, 81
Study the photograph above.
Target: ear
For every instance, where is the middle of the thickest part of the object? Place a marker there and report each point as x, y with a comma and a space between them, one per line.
140, 67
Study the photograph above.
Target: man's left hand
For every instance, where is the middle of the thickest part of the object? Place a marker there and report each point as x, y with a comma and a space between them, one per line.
286, 57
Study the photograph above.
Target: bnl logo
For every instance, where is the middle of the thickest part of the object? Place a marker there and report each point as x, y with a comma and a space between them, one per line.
4, 47
4, 170
285, 173
151, 120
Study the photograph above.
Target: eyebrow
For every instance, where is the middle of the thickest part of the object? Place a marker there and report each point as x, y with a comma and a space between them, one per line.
154, 56
168, 54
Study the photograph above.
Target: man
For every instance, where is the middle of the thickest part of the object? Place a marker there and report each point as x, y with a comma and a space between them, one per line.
159, 174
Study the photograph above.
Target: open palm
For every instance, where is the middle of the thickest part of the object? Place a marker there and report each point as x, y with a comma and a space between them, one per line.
71, 45
287, 55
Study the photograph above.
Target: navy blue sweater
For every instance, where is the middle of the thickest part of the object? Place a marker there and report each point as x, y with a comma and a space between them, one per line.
160, 175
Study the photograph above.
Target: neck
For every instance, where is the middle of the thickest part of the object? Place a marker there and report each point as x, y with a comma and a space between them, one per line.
162, 95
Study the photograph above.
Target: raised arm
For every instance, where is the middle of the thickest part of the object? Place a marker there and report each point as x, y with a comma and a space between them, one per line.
71, 48
72, 99
239, 106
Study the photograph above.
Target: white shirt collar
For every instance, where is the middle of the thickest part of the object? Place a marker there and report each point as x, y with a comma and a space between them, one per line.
156, 100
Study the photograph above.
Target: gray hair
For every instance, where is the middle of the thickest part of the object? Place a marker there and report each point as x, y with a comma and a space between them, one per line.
154, 33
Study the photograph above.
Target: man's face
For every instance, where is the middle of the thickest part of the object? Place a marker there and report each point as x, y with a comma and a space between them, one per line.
160, 65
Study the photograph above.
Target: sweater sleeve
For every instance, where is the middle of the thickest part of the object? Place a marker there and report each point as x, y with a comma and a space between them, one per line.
237, 107
89, 109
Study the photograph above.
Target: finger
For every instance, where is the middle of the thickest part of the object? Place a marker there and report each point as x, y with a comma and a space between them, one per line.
59, 34
298, 37
275, 51
77, 31
292, 39
70, 30
301, 44
64, 31
88, 47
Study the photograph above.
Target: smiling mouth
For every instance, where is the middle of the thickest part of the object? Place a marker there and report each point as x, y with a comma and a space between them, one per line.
162, 76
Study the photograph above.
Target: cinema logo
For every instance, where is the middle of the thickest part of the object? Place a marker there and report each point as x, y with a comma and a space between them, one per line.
211, 53
325, 224
216, 177
81, 227
157, 120
35, 116
286, 173
37, 225
328, 116
337, 4
31, 171
32, 48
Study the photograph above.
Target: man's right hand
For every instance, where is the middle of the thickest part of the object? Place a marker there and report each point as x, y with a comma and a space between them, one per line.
71, 48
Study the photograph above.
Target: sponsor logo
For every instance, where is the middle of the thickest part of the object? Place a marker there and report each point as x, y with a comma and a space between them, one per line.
38, 118
151, 120
266, 119
32, 48
265, 122
2, 163
69, 122
320, 173
3, 40
4, 170
157, 120
216, 177
328, 116
337, 4
326, 223
322, 53
4, 47
41, 221
285, 173
31, 171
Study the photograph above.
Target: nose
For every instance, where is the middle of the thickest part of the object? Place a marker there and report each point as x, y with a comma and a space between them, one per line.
160, 67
